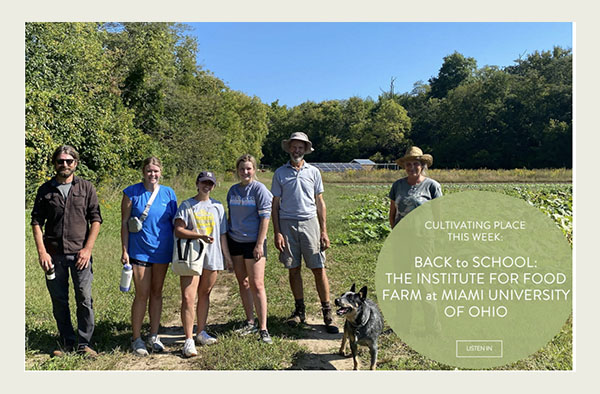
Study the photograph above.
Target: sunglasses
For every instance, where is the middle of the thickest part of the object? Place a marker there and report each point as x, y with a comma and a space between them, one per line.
63, 161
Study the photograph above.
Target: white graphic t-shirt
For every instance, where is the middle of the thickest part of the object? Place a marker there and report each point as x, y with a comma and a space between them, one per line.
210, 220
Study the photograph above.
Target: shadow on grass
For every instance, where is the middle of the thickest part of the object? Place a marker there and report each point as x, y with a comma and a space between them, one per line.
108, 336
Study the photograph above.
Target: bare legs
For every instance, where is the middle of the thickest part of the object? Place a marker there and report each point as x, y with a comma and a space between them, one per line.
250, 275
148, 287
192, 288
321, 282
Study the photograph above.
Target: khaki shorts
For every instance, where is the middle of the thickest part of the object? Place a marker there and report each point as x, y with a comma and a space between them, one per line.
302, 238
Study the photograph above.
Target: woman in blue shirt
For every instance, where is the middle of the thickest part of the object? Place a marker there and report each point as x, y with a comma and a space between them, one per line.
149, 250
249, 204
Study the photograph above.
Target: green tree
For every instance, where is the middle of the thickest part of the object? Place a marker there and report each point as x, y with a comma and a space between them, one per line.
71, 98
455, 69
390, 126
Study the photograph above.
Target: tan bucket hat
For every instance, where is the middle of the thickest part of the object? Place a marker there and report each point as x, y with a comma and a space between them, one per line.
285, 144
415, 153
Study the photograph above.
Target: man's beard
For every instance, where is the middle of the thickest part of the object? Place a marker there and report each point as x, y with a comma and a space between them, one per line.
296, 160
65, 172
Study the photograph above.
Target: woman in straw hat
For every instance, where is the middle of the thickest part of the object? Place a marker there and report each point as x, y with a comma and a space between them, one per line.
416, 188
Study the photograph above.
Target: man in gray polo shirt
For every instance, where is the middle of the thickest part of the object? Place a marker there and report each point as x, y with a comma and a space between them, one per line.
299, 224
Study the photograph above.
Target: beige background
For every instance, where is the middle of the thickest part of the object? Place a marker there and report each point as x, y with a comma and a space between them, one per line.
586, 131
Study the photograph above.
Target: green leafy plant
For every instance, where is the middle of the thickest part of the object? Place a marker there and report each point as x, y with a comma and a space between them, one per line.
367, 222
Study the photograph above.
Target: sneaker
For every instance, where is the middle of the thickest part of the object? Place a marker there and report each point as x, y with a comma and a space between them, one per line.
139, 347
86, 351
155, 344
189, 348
265, 337
246, 329
204, 339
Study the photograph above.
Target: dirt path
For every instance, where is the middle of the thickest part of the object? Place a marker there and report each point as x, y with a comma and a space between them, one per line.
321, 348
172, 336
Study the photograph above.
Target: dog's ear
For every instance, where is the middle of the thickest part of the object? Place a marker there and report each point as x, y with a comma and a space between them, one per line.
363, 293
353, 288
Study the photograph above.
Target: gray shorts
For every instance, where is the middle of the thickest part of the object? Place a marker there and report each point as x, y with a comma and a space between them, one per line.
302, 238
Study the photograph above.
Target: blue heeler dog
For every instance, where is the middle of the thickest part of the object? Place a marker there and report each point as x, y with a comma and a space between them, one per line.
364, 323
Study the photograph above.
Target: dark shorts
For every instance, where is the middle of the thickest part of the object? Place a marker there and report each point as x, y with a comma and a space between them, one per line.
245, 249
146, 264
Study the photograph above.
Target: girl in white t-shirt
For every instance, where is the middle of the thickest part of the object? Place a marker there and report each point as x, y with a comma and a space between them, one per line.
211, 222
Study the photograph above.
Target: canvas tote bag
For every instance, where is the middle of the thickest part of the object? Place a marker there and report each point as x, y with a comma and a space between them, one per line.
188, 254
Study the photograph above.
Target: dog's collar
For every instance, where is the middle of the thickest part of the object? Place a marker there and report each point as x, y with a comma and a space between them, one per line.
361, 318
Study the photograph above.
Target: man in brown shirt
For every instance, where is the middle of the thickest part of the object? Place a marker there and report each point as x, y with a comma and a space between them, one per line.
67, 208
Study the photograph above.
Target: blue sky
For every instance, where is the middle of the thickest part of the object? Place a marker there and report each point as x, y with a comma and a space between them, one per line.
296, 62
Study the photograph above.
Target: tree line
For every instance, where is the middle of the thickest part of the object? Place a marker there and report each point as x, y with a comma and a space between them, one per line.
119, 92
466, 117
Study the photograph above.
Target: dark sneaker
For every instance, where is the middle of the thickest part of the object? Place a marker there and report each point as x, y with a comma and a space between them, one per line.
87, 351
265, 337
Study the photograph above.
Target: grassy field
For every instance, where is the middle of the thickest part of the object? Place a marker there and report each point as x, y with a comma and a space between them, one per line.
349, 261
519, 175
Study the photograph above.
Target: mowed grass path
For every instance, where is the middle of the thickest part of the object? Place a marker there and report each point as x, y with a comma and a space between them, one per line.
347, 264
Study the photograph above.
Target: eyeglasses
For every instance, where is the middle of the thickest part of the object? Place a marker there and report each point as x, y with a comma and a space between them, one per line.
63, 161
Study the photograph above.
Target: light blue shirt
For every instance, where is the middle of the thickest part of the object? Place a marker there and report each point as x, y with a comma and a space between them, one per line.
297, 189
247, 206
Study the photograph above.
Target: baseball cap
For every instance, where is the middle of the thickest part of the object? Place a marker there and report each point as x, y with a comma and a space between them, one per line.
206, 176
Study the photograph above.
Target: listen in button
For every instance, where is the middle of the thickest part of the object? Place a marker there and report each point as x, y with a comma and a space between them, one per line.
478, 348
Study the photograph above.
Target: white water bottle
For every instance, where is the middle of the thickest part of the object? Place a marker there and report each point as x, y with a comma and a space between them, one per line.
126, 275
50, 274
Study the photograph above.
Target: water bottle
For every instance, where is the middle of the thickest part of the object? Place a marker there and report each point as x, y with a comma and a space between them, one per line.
50, 274
126, 275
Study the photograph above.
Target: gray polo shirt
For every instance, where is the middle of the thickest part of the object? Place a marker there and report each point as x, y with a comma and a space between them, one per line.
298, 190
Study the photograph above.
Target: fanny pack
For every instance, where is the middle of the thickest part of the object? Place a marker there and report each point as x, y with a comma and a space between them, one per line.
134, 224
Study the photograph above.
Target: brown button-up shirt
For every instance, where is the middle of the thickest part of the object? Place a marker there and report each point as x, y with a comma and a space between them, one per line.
66, 222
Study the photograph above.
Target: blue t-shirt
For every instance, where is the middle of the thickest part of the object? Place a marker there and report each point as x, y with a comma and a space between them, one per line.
247, 206
154, 243
298, 190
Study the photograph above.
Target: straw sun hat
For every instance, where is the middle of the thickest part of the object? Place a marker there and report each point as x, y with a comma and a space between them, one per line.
415, 153
285, 144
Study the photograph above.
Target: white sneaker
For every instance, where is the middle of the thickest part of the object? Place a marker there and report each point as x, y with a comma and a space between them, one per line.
155, 344
139, 348
204, 339
189, 348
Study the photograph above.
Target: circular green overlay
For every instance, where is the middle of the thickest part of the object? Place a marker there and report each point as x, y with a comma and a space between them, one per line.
475, 279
